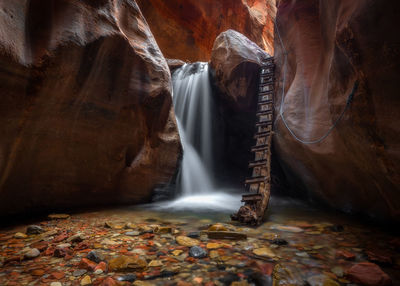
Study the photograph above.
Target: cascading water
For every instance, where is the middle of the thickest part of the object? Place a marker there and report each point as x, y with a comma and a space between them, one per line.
192, 103
194, 114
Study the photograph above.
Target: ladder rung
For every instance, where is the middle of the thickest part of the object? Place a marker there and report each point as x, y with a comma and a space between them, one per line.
252, 199
266, 112
256, 149
261, 93
257, 163
259, 179
263, 123
260, 146
262, 134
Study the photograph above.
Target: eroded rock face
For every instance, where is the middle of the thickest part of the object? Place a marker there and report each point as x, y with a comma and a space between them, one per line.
330, 45
85, 113
235, 64
186, 29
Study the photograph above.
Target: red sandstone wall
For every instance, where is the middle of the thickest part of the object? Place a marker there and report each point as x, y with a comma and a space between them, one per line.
186, 29
332, 44
85, 109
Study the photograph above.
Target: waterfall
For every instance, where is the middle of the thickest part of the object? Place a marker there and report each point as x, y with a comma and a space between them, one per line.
193, 110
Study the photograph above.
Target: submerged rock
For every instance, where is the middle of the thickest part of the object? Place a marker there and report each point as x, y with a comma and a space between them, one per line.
217, 227
321, 280
126, 263
34, 229
132, 233
33, 253
197, 252
95, 256
86, 281
58, 216
264, 251
369, 274
187, 241
20, 235
128, 277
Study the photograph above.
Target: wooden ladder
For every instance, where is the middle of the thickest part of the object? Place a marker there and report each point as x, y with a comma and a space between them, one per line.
258, 186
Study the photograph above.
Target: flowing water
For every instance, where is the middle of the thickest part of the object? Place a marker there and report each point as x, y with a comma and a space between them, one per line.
194, 112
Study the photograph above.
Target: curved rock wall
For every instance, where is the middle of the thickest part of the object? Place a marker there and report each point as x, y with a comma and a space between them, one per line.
85, 112
235, 64
186, 29
330, 45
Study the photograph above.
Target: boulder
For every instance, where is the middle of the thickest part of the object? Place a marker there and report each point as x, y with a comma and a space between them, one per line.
235, 65
85, 114
331, 45
186, 29
368, 274
236, 61
174, 64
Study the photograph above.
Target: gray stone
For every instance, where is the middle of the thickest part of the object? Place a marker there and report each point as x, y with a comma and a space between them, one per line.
79, 272
95, 256
132, 233
33, 253
197, 252
34, 229
127, 277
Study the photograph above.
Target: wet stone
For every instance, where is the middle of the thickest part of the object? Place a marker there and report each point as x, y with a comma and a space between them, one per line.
256, 278
338, 271
79, 272
64, 245
321, 280
287, 228
34, 229
58, 216
187, 241
217, 227
197, 252
33, 253
132, 233
124, 263
76, 238
86, 281
194, 234
366, 273
229, 278
264, 252
20, 235
279, 241
95, 256
168, 273
127, 277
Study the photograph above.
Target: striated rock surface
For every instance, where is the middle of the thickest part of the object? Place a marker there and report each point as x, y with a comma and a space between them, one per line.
85, 112
174, 64
330, 45
235, 65
186, 29
236, 62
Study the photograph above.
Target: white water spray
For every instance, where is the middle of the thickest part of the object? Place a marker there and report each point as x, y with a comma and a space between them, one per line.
192, 103
194, 113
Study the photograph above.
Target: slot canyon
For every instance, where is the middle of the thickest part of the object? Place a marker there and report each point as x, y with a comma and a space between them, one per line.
199, 142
